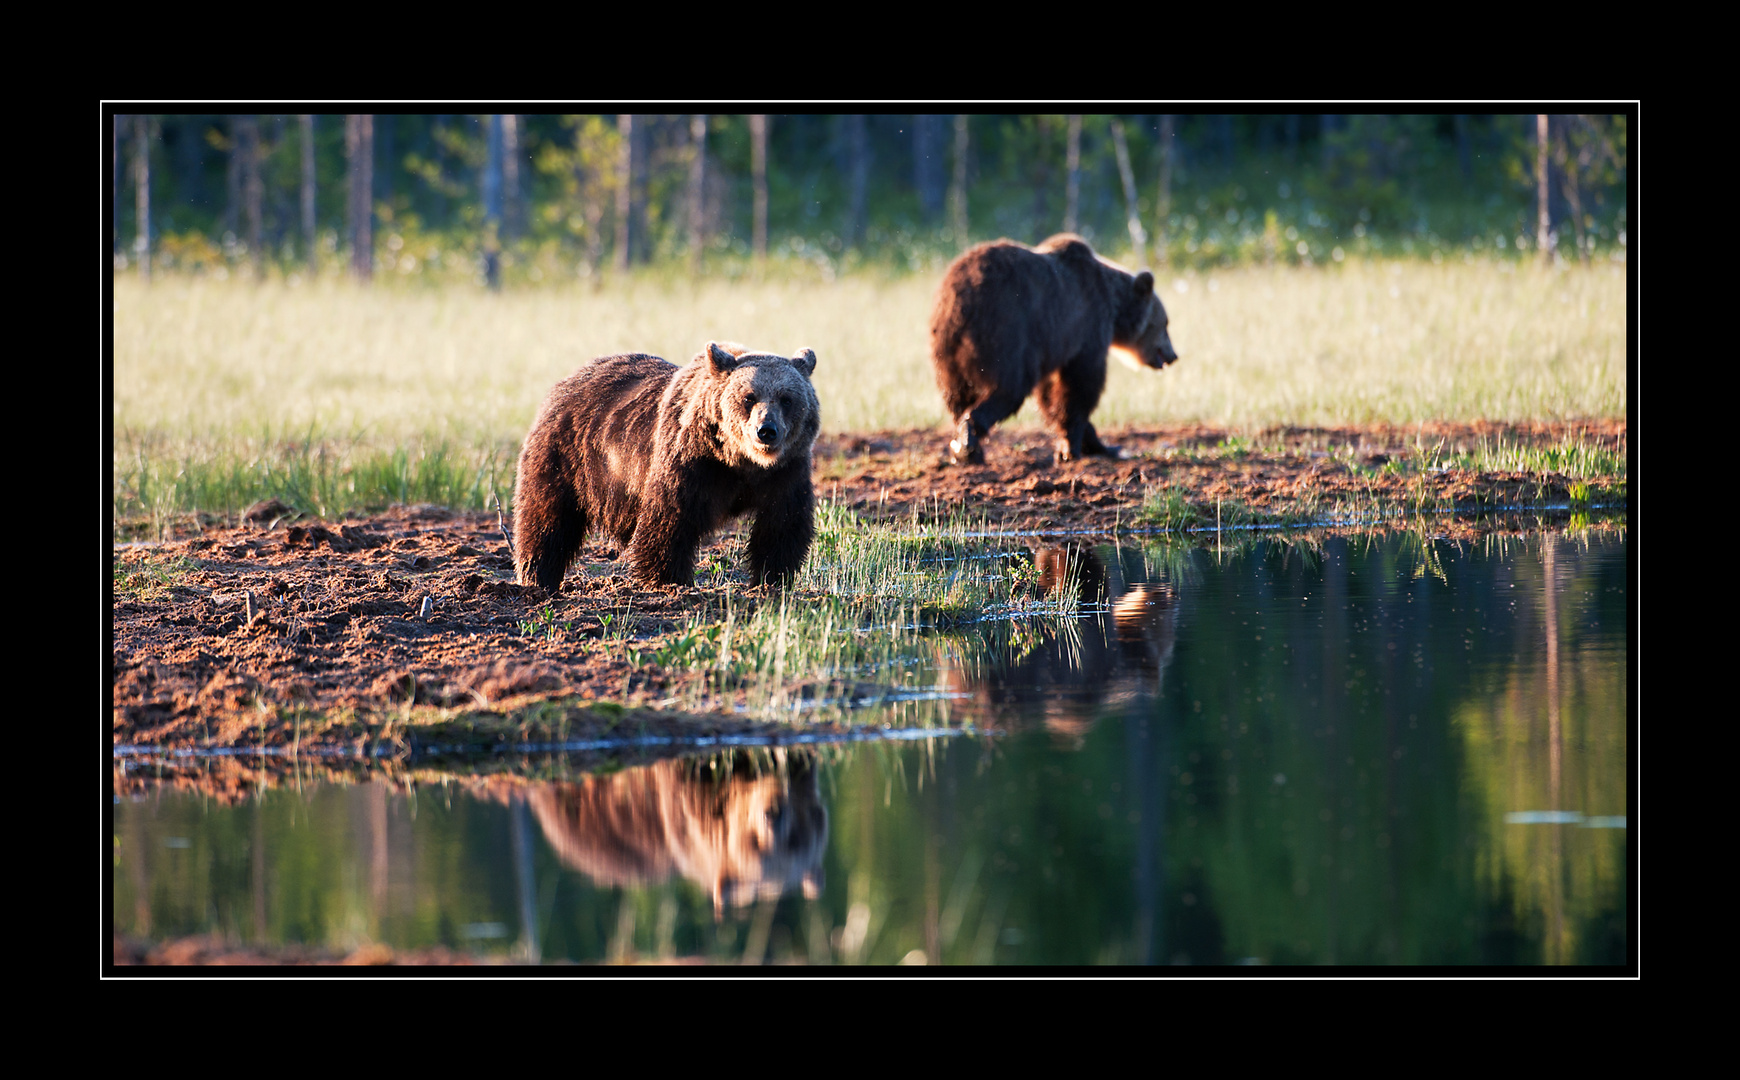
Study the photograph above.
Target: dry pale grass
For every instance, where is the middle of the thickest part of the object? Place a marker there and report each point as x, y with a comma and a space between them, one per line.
211, 361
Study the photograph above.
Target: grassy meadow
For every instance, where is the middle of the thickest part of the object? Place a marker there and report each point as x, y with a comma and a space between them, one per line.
335, 396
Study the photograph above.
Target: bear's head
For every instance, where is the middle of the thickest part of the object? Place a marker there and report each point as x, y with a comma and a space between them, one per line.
1140, 332
767, 407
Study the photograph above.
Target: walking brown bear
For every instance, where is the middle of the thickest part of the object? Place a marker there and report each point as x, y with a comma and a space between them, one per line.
660, 457
1010, 319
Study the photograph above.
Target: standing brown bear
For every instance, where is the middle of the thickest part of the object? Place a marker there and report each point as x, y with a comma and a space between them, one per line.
660, 457
1010, 318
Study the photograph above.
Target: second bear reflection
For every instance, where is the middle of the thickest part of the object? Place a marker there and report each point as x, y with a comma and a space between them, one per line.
1117, 653
741, 827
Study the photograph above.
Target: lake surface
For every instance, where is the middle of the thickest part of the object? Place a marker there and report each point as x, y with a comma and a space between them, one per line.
1385, 751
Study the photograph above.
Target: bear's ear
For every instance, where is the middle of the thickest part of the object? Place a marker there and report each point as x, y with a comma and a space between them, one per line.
805, 361
719, 358
1144, 285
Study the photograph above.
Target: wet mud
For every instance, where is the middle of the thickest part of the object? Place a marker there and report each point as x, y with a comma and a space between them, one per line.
345, 637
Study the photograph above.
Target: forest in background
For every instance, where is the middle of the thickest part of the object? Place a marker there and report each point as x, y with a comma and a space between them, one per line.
530, 197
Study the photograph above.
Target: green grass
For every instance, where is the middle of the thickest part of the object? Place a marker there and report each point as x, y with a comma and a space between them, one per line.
864, 617
1571, 457
1576, 470
333, 396
157, 477
144, 577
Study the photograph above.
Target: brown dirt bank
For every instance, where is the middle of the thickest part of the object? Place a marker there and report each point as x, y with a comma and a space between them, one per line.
404, 628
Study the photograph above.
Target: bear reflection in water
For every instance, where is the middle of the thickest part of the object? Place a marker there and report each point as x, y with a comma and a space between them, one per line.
741, 827
1116, 653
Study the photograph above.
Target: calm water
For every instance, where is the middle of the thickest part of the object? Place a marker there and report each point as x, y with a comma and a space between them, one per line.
1367, 752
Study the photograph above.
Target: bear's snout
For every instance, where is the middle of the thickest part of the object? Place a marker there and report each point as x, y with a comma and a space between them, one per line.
764, 421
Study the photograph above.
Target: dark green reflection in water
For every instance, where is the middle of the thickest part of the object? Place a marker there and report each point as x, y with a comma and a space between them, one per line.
1340, 754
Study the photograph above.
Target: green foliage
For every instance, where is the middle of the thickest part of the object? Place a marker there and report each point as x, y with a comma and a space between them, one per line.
1244, 189
316, 475
145, 577
871, 601
543, 624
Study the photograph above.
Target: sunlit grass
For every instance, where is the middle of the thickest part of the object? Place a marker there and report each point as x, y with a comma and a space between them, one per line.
143, 577
860, 620
158, 476
1396, 341
346, 397
1571, 457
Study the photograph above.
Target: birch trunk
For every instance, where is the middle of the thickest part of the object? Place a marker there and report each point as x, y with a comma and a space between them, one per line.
359, 149
959, 195
697, 189
624, 184
758, 172
1163, 196
142, 194
1138, 238
1072, 186
309, 241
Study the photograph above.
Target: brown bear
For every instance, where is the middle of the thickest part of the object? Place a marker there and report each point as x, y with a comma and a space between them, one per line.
659, 457
1010, 318
739, 829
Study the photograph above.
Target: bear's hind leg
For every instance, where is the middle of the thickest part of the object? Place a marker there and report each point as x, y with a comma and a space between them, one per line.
973, 425
667, 536
547, 536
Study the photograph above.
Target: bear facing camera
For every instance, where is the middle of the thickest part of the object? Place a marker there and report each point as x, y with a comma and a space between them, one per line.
1012, 321
660, 457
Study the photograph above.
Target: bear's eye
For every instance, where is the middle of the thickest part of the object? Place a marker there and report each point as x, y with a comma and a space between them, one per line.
785, 402
749, 399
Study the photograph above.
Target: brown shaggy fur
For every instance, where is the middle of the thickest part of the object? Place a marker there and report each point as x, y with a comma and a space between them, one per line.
660, 457
1010, 319
740, 832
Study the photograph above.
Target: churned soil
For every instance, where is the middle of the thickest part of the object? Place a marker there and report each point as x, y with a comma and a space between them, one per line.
285, 631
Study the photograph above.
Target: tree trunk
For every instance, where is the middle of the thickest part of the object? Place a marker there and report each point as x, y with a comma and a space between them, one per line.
1138, 238
142, 194
1543, 211
115, 190
758, 176
247, 147
697, 189
1163, 196
309, 241
857, 177
1571, 169
959, 195
279, 216
190, 150
591, 204
638, 193
512, 205
492, 200
1072, 186
926, 166
624, 185
383, 172
359, 151
232, 191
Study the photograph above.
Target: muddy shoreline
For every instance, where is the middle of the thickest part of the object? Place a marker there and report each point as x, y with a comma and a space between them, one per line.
373, 636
